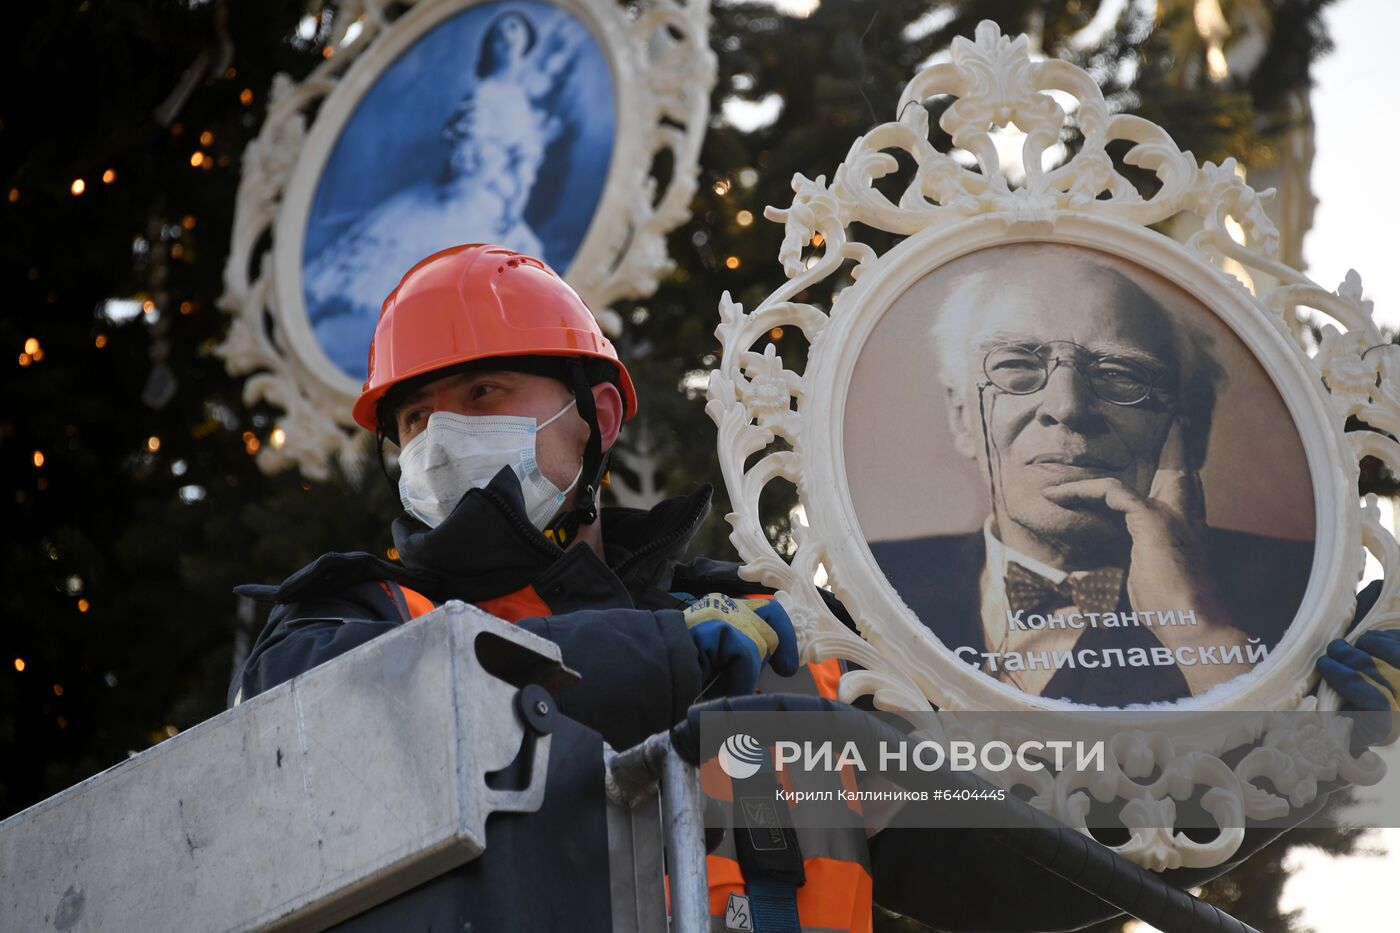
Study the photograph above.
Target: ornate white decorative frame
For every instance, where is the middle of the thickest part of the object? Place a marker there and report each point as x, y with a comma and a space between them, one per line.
778, 424
662, 74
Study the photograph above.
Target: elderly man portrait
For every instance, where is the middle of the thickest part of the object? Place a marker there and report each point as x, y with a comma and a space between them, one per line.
1087, 408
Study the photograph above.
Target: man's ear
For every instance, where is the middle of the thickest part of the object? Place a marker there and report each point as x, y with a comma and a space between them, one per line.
966, 433
608, 402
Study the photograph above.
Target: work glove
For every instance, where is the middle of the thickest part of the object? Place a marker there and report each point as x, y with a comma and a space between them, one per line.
733, 639
1367, 675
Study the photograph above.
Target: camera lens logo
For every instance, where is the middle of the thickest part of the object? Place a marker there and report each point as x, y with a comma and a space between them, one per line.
740, 756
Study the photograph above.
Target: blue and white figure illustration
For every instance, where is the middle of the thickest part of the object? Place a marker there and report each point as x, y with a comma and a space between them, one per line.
495, 126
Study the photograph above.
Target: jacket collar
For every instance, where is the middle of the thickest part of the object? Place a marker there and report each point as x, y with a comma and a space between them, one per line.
486, 548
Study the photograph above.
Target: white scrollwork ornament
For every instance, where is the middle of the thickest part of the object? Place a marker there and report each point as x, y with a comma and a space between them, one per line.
662, 70
778, 424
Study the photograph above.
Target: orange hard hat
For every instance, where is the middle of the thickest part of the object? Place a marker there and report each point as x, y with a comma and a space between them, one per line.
476, 302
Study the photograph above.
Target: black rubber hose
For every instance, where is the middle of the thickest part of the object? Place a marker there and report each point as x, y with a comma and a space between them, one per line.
1044, 840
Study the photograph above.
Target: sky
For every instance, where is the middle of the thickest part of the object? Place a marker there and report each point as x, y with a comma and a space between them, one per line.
1356, 109
1355, 104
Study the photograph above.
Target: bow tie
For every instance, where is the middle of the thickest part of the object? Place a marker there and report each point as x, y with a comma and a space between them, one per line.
1091, 591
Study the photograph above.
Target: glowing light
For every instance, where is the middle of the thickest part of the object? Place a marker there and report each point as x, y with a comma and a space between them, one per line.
78, 187
171, 732
197, 159
818, 239
120, 310
177, 251
58, 690
392, 553
187, 221
1216, 64
148, 306
100, 341
153, 443
231, 73
251, 443
31, 346
14, 195
277, 438
776, 333
25, 359
246, 98
109, 176
84, 605
732, 262
206, 138
186, 307
327, 52
19, 664
38, 459
744, 218
721, 187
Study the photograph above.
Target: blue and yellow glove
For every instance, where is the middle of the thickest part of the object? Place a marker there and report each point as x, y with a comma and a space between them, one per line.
1367, 676
734, 637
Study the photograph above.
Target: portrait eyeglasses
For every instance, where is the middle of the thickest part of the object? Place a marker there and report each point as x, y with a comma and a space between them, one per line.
1024, 370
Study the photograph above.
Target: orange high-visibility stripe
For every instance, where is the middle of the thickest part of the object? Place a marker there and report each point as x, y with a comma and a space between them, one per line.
416, 603
524, 603
827, 675
838, 895
714, 782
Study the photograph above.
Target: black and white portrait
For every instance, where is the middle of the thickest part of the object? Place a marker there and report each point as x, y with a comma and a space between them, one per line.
1078, 478
495, 126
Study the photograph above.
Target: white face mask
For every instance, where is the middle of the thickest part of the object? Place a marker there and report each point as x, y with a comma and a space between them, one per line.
455, 453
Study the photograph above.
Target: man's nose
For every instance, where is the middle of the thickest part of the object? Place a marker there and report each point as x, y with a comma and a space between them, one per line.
1066, 398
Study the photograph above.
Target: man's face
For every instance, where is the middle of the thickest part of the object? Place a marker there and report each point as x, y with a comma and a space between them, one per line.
558, 448
1064, 431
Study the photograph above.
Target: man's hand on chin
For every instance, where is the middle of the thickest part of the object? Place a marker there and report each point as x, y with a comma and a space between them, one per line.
1166, 570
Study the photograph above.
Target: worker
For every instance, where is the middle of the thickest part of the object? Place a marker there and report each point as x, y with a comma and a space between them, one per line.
504, 398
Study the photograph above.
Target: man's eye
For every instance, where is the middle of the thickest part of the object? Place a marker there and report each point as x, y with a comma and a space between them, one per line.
482, 389
1017, 364
1121, 372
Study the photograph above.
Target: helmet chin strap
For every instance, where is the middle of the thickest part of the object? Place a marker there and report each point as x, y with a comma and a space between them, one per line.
565, 528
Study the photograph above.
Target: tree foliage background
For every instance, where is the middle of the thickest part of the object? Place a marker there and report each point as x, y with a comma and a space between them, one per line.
132, 500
